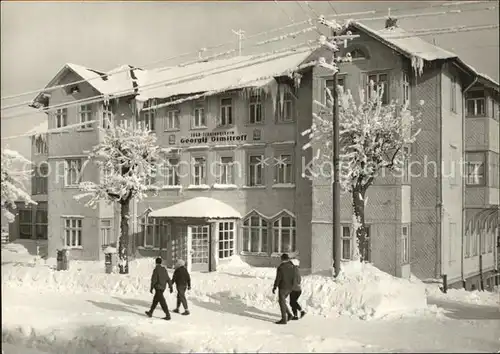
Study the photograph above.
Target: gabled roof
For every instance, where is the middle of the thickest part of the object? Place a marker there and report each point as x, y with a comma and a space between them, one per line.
414, 47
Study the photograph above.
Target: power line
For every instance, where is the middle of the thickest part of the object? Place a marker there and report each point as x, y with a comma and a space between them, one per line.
293, 24
240, 84
101, 98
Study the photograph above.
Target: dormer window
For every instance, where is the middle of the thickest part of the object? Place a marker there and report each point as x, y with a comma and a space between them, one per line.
357, 54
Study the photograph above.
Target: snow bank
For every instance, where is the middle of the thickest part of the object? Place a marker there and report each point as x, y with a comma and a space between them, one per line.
476, 297
361, 291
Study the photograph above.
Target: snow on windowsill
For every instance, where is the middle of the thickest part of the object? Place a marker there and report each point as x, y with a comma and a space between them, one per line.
254, 187
284, 185
172, 130
70, 248
170, 187
72, 187
110, 249
225, 146
199, 128
85, 129
288, 142
254, 144
254, 254
224, 186
199, 186
198, 147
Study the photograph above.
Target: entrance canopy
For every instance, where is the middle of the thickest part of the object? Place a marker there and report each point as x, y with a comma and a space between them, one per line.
199, 207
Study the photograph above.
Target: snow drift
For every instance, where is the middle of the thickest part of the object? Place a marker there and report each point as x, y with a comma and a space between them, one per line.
361, 291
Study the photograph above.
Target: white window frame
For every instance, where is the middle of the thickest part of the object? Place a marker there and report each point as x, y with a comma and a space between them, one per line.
262, 232
68, 168
199, 115
277, 228
40, 146
106, 232
405, 244
61, 118
475, 101
159, 226
227, 239
406, 89
226, 170
73, 226
85, 113
172, 120
255, 109
350, 240
170, 172
226, 112
199, 170
254, 169
386, 95
475, 171
107, 116
281, 170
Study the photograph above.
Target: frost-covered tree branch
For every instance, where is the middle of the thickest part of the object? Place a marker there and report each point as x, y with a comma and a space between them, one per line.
16, 169
127, 159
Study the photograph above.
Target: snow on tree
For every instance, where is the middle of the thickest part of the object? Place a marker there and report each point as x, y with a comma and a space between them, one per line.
127, 157
15, 170
372, 140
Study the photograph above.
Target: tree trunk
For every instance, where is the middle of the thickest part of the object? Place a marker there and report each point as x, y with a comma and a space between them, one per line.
358, 203
123, 241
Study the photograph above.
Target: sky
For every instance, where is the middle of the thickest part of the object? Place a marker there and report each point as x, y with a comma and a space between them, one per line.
38, 38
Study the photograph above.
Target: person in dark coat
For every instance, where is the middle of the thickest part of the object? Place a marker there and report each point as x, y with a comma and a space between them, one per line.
296, 292
284, 282
159, 282
182, 281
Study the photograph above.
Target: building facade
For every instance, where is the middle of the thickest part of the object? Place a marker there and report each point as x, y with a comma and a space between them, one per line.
243, 146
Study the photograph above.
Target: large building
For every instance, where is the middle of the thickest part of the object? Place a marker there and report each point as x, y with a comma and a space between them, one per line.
242, 147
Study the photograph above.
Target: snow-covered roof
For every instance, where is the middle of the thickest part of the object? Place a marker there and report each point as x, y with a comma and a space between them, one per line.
413, 46
199, 207
236, 72
41, 128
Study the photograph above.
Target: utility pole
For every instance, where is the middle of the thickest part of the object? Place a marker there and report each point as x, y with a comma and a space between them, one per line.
337, 246
240, 33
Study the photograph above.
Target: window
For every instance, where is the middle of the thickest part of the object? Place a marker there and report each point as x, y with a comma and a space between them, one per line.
154, 232
170, 172
73, 232
72, 175
107, 116
199, 119
379, 81
226, 112
61, 118
226, 239
255, 237
453, 94
199, 171
346, 243
40, 145
284, 233
284, 169
357, 54
226, 172
40, 179
255, 107
256, 170
405, 245
474, 168
329, 85
107, 238
286, 107
476, 104
149, 119
85, 114
25, 224
172, 120
406, 89
406, 164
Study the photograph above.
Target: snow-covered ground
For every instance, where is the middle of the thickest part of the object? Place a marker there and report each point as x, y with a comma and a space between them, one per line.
84, 310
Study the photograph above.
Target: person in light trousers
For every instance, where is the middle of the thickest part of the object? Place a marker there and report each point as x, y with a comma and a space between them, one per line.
296, 292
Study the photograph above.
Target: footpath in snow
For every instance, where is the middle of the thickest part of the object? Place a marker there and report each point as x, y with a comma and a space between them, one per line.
84, 310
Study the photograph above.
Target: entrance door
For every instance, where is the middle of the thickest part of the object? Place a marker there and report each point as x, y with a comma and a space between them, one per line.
200, 247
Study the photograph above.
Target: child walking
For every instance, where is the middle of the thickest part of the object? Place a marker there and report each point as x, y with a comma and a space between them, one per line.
182, 281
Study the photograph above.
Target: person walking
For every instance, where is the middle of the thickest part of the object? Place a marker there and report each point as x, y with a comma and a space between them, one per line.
182, 281
159, 282
285, 278
296, 292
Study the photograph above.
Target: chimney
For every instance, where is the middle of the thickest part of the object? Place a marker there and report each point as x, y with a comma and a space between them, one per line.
391, 22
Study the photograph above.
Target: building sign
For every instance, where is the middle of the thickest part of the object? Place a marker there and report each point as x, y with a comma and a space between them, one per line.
213, 137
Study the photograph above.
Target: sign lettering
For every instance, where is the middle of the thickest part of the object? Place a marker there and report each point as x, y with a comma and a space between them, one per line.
213, 137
